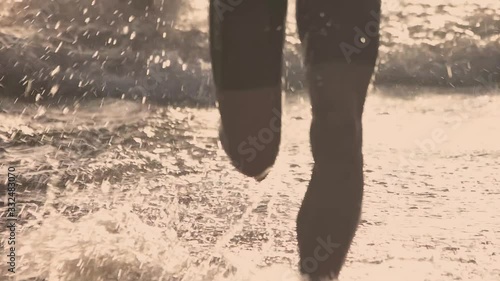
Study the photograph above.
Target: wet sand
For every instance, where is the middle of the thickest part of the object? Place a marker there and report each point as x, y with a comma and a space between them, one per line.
117, 190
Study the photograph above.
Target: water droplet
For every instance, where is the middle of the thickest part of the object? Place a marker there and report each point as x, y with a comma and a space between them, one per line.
166, 64
54, 90
58, 47
55, 71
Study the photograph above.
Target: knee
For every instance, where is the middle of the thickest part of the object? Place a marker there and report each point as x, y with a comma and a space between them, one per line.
336, 130
336, 144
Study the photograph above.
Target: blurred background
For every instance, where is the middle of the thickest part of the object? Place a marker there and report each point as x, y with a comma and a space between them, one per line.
109, 48
107, 113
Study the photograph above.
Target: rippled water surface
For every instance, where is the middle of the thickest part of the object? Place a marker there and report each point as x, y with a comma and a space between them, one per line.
114, 188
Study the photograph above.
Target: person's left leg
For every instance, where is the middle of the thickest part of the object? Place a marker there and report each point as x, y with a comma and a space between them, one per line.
246, 42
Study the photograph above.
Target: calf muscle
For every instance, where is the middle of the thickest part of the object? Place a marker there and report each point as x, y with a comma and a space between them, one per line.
337, 86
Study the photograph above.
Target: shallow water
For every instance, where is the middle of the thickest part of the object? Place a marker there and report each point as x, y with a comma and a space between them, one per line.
126, 188
118, 190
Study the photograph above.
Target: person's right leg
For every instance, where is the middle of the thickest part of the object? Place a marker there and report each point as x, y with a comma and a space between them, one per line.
246, 41
341, 43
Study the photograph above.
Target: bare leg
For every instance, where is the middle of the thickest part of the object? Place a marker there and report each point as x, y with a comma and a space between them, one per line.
340, 62
246, 41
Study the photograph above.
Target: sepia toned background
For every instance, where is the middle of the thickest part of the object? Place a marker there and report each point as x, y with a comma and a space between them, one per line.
107, 114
